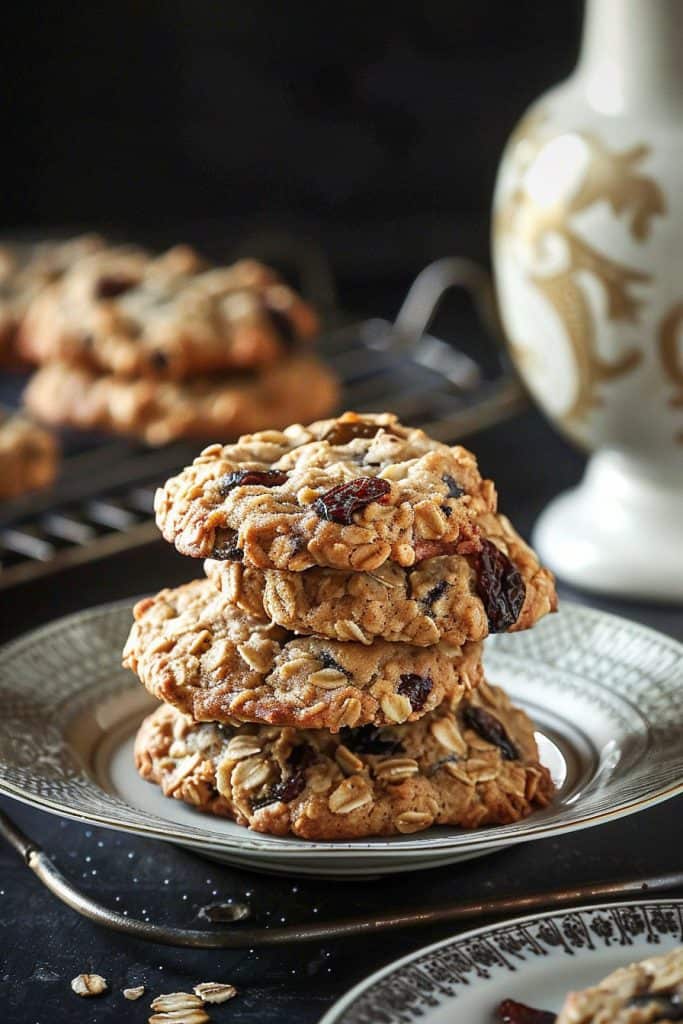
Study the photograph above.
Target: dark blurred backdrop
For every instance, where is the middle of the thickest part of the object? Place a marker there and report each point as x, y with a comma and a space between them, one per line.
374, 129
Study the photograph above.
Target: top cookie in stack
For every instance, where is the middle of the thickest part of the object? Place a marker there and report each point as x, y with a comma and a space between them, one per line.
356, 528
353, 568
166, 347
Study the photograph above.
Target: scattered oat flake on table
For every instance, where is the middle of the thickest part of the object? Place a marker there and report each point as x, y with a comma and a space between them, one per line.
134, 993
178, 1008
89, 985
214, 991
193, 1015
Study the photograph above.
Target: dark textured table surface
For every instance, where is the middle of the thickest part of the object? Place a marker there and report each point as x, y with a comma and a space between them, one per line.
43, 944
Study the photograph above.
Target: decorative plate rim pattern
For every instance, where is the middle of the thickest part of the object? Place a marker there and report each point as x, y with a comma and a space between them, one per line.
580, 647
434, 973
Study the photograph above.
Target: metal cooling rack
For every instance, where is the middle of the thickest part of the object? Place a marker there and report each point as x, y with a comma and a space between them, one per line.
102, 503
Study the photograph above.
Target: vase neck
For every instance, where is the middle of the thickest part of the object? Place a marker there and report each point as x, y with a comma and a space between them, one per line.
632, 56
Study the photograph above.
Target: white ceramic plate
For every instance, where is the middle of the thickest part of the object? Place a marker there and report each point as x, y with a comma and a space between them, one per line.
534, 960
604, 692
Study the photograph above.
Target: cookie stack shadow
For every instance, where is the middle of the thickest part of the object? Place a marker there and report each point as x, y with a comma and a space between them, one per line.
162, 347
325, 677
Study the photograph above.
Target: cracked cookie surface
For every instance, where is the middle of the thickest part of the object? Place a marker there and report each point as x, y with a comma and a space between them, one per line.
29, 456
351, 493
441, 770
651, 990
126, 312
437, 599
163, 411
191, 648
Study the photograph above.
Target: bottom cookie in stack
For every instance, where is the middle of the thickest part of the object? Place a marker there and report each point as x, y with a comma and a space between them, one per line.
472, 766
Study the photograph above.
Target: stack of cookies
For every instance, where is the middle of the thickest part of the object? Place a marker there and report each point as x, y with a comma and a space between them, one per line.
163, 347
325, 677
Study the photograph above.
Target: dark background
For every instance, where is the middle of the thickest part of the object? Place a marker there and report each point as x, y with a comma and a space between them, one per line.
374, 129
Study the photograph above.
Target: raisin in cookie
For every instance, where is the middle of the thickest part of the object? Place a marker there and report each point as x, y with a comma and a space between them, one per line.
477, 765
25, 272
193, 649
163, 411
451, 597
29, 456
351, 493
126, 313
651, 990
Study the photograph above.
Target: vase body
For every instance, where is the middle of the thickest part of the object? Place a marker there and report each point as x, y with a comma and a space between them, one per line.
588, 258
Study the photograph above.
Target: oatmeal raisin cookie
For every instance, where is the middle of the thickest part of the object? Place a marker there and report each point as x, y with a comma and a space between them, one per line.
163, 411
29, 456
125, 312
438, 599
477, 765
351, 493
651, 990
25, 272
193, 649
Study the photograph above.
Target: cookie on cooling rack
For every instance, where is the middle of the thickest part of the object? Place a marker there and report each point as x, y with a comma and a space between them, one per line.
25, 272
164, 411
477, 765
29, 456
127, 313
193, 649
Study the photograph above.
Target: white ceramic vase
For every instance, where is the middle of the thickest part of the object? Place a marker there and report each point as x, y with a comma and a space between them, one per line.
588, 257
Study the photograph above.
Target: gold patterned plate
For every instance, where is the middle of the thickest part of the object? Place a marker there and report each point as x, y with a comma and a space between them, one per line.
604, 693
